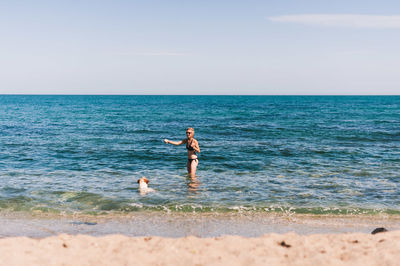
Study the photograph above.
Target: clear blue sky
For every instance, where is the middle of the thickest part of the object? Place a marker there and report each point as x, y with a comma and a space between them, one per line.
200, 47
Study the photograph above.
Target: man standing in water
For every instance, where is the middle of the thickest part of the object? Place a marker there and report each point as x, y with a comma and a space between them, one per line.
192, 147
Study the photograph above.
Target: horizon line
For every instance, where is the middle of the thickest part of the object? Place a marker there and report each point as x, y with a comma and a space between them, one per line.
60, 94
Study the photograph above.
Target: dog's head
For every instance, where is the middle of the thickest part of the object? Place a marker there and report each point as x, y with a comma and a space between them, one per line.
143, 180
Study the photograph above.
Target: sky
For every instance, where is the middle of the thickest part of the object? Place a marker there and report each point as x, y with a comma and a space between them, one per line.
320, 47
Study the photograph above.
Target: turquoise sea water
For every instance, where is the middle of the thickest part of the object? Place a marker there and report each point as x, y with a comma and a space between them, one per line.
298, 154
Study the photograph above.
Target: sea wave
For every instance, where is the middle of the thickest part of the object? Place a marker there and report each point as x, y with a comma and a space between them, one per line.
91, 204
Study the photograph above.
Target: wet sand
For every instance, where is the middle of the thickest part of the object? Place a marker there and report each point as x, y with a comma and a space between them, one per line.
189, 224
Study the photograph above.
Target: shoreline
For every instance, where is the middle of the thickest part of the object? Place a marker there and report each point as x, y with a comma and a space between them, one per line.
176, 225
270, 249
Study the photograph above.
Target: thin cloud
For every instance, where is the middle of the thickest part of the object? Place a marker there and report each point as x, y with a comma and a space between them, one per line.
342, 20
156, 54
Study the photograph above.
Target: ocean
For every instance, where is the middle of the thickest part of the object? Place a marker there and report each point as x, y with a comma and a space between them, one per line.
69, 155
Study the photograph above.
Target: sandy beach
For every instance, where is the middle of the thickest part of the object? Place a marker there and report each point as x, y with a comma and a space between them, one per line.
269, 249
148, 238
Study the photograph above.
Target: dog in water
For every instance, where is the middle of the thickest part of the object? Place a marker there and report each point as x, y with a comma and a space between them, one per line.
143, 186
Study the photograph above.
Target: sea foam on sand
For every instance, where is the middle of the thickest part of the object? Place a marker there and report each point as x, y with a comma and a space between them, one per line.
271, 249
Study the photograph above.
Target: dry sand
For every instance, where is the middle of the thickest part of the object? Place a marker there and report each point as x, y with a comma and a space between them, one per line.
272, 249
